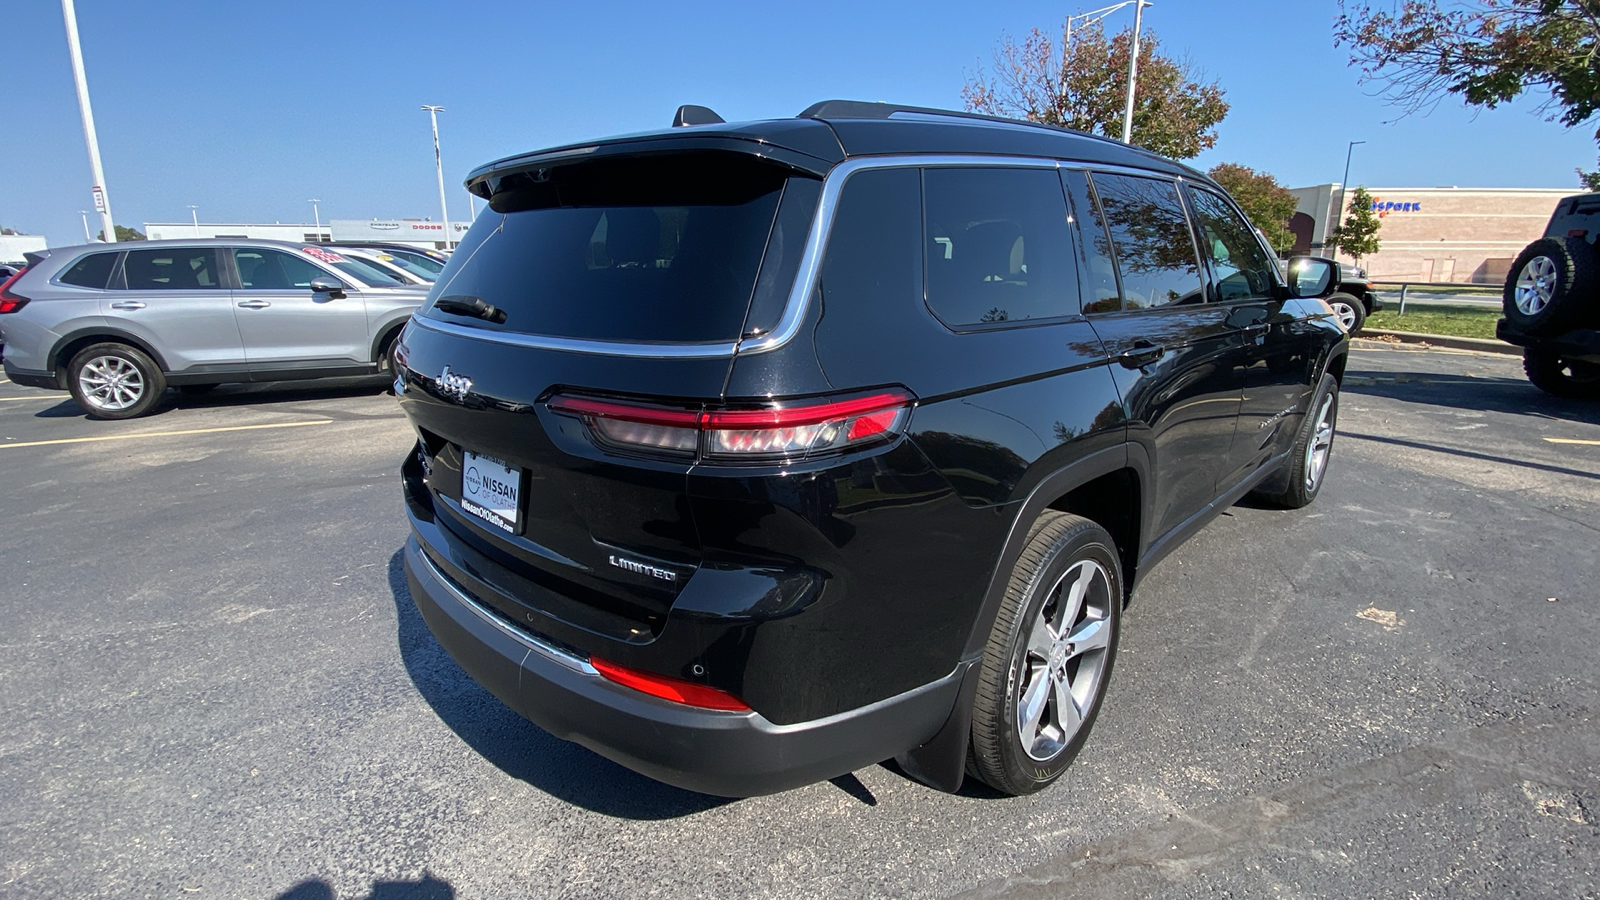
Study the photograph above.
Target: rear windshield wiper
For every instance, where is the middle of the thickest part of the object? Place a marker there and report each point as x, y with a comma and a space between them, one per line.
467, 305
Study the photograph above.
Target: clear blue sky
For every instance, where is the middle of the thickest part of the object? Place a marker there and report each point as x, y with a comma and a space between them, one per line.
248, 109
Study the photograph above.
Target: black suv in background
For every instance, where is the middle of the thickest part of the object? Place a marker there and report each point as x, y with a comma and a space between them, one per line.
751, 454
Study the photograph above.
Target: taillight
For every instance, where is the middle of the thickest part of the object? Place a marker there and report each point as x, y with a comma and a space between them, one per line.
675, 689
794, 431
9, 302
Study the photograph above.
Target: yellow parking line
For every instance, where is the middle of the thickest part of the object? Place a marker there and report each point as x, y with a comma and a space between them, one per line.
156, 434
57, 398
1573, 441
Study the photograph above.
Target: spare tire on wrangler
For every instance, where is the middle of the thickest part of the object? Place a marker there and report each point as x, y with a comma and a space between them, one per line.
1551, 286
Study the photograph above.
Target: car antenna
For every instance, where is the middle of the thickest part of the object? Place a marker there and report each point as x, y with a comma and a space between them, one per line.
689, 114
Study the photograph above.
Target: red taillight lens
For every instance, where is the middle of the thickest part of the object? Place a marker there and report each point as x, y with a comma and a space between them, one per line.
777, 432
9, 302
675, 689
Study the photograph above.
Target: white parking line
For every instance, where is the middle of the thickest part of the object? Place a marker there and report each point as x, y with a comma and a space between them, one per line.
157, 434
1573, 441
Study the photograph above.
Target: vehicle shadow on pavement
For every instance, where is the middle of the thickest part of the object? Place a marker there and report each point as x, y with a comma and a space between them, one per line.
516, 746
425, 888
1514, 396
228, 396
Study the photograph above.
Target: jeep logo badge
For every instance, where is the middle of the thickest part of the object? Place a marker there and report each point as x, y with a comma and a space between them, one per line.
453, 385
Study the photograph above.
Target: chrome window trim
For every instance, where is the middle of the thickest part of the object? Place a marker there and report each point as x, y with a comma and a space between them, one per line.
548, 651
799, 302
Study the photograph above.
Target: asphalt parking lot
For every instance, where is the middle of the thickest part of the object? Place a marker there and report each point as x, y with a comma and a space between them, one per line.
214, 684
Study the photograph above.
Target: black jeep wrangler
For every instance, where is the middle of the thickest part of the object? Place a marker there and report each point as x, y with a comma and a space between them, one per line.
751, 454
1552, 302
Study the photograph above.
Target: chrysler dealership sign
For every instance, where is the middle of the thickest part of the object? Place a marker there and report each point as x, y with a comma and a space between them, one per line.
418, 231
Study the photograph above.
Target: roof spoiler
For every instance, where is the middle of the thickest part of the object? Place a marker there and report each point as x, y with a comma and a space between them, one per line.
689, 114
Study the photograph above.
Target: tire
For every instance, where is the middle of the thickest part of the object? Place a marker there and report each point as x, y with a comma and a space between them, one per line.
197, 389
1313, 446
1561, 378
1349, 310
115, 381
1069, 574
1551, 286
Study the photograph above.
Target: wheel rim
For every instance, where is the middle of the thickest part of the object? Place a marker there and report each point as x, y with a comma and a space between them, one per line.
1321, 443
1064, 665
111, 383
1345, 313
1536, 284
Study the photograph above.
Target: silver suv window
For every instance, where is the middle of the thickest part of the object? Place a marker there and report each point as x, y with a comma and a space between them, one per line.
93, 271
171, 269
273, 270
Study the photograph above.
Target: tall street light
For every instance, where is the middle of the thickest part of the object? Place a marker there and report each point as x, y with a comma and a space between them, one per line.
438, 163
101, 203
1133, 71
316, 215
194, 216
1338, 215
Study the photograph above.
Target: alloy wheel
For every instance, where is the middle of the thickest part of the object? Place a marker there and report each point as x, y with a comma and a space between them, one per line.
1536, 284
1346, 314
1321, 443
1064, 664
111, 383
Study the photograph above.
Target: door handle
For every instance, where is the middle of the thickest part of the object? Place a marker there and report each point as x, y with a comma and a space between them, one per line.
1141, 354
1257, 327
254, 304
127, 304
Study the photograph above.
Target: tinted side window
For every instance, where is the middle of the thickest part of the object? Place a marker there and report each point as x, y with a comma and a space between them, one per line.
93, 271
997, 245
172, 269
274, 270
874, 255
1096, 269
1155, 249
1243, 270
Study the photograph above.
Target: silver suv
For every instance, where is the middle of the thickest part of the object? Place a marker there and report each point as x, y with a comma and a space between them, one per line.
117, 325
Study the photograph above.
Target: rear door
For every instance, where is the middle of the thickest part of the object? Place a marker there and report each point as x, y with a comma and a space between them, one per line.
603, 280
1175, 354
284, 324
175, 299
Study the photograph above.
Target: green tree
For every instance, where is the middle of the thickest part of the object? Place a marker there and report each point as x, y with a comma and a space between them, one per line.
1358, 234
1082, 84
1488, 52
1268, 204
123, 234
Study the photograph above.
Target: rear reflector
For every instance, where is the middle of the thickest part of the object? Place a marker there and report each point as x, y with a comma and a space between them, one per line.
675, 689
800, 430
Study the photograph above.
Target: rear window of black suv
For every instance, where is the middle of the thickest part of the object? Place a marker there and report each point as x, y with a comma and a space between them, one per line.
660, 250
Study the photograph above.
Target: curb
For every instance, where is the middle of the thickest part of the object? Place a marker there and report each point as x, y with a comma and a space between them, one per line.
1385, 336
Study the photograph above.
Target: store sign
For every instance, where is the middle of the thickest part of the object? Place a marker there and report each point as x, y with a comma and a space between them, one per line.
99, 198
395, 230
1383, 207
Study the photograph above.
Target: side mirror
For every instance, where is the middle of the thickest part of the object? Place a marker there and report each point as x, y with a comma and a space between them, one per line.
332, 288
1311, 276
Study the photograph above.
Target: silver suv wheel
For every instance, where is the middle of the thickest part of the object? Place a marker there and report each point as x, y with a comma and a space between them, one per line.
111, 383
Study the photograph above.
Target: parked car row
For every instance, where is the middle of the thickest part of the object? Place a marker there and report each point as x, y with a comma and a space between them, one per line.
116, 325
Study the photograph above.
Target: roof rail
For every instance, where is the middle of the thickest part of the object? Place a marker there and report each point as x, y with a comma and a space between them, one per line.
861, 109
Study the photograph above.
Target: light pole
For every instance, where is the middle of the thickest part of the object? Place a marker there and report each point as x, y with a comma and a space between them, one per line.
1338, 215
438, 164
194, 216
101, 203
1133, 71
87, 238
316, 215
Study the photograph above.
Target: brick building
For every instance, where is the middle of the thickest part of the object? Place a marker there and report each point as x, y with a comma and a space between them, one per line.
1436, 234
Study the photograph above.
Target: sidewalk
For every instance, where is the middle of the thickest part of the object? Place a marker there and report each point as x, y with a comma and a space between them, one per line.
1385, 336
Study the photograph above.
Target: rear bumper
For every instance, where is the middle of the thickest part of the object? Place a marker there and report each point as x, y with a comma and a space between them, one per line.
724, 753
30, 378
1577, 345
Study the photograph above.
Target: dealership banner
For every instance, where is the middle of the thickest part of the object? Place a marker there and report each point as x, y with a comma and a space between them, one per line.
407, 230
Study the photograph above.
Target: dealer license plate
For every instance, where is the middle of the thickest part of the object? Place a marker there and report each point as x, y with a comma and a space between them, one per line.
491, 490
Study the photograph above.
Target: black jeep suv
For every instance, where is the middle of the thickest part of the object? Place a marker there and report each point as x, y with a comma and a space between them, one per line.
751, 454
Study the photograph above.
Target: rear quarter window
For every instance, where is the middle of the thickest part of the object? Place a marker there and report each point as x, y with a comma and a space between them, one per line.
93, 271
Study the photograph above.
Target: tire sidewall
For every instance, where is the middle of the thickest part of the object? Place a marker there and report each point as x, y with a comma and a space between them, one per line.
1574, 267
1020, 768
155, 383
1329, 387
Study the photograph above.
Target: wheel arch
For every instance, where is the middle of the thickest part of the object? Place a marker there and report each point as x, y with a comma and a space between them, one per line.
1107, 487
69, 344
385, 335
